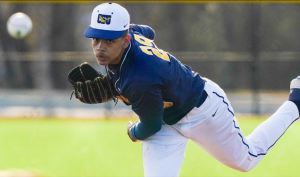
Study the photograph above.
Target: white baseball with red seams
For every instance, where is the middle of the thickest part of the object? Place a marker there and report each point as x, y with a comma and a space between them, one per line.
19, 25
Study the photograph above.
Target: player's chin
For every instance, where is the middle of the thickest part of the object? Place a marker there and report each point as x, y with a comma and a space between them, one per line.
102, 61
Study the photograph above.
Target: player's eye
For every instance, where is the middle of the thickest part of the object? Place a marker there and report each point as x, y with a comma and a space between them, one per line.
96, 40
109, 41
106, 41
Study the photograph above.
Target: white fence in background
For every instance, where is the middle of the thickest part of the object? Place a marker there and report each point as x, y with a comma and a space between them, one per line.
57, 103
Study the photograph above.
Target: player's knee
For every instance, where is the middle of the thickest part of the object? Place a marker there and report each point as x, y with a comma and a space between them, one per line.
243, 168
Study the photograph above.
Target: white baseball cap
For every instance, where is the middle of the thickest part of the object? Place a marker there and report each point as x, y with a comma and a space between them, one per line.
108, 21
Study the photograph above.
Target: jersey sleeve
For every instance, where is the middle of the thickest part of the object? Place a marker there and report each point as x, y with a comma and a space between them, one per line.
147, 103
145, 30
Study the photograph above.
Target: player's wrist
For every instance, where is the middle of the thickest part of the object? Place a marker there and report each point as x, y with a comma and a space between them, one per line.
131, 131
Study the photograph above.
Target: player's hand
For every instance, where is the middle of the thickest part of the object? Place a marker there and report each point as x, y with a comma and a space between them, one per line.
90, 86
129, 132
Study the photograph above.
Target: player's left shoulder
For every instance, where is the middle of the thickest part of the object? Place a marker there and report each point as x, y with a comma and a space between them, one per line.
145, 49
144, 30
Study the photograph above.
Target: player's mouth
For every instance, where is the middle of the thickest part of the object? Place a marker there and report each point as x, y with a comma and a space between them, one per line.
102, 59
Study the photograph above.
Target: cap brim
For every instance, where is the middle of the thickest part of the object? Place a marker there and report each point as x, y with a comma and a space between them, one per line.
103, 34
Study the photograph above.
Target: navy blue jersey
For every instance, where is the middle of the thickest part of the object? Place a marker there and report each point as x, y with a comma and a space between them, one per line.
158, 86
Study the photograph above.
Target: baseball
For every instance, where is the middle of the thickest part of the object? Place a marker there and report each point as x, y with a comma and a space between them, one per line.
19, 25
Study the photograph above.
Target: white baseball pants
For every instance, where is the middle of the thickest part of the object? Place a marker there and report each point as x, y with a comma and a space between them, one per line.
214, 127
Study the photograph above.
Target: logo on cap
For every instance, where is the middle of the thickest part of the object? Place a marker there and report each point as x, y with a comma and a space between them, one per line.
104, 19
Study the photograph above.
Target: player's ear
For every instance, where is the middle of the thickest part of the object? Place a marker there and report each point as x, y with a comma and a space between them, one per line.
127, 38
126, 41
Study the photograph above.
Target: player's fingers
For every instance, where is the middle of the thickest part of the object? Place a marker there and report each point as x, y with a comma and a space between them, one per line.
77, 90
90, 92
75, 75
109, 86
102, 89
99, 88
130, 124
80, 90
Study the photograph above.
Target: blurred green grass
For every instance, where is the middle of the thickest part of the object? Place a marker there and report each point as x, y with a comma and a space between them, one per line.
96, 148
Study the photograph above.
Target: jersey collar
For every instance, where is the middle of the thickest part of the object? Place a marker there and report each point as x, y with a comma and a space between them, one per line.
124, 57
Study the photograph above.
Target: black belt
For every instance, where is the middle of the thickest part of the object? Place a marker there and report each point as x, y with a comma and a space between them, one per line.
181, 114
202, 99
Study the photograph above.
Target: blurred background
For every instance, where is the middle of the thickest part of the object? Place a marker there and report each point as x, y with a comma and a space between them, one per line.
251, 50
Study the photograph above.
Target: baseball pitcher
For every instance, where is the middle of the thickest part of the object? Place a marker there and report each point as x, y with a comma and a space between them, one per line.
174, 103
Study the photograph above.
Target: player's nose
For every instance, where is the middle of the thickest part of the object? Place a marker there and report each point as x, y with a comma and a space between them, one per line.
99, 45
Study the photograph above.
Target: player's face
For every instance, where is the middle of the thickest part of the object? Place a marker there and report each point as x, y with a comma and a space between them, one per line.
109, 51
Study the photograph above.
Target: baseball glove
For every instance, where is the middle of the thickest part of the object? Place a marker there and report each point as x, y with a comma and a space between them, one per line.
90, 86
